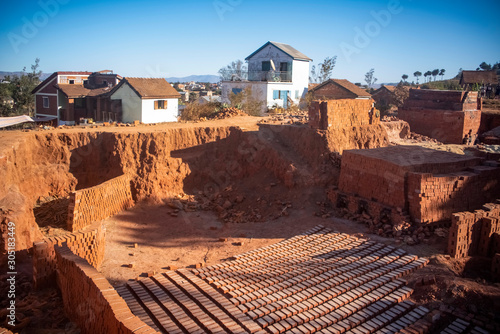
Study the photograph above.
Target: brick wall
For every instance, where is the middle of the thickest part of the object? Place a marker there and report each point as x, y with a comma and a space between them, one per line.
444, 115
88, 243
475, 233
99, 202
344, 113
431, 185
373, 179
433, 198
93, 304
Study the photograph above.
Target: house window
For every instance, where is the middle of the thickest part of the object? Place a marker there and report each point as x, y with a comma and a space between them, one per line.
80, 103
266, 65
45, 101
283, 67
85, 82
296, 94
104, 82
236, 90
276, 94
161, 104
72, 82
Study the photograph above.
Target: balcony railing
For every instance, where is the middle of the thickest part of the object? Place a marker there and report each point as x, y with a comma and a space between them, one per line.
267, 76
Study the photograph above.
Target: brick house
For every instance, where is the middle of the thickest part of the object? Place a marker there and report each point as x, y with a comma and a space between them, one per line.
69, 96
487, 81
335, 89
384, 95
446, 115
278, 74
149, 100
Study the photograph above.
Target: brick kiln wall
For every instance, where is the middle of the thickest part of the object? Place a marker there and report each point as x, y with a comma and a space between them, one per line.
99, 202
373, 179
341, 114
434, 198
444, 115
93, 304
495, 267
88, 243
475, 233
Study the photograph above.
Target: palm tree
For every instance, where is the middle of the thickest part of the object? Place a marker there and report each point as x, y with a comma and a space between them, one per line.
441, 73
404, 76
417, 74
435, 73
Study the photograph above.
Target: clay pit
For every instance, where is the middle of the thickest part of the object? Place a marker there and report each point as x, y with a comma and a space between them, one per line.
180, 203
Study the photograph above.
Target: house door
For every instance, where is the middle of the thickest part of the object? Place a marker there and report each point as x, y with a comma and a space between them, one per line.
284, 97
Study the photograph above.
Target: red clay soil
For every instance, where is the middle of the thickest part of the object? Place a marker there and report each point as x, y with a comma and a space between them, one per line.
207, 191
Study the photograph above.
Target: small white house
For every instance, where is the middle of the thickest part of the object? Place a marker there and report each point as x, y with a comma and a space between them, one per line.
277, 74
149, 100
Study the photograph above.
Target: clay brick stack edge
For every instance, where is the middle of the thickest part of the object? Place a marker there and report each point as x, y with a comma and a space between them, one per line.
99, 202
88, 243
475, 233
93, 304
344, 113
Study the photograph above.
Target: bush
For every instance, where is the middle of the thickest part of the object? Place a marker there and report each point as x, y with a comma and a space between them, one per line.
194, 111
247, 102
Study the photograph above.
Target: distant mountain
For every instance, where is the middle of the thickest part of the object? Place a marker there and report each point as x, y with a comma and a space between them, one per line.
195, 78
3, 74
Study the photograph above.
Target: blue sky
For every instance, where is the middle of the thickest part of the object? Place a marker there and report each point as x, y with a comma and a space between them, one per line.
180, 38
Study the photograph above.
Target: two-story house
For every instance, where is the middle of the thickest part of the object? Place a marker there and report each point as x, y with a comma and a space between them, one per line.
70, 96
277, 74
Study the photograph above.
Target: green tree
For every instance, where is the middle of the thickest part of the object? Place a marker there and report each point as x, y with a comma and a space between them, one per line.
6, 108
484, 66
441, 73
236, 70
369, 78
427, 74
417, 74
22, 86
404, 76
324, 70
435, 73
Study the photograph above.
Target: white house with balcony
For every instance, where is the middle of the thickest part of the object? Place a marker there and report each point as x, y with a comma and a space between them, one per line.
277, 73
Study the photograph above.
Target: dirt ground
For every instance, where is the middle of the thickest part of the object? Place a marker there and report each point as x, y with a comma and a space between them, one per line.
156, 236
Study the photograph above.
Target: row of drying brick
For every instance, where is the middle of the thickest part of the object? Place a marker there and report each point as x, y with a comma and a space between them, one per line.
314, 289
88, 243
92, 303
475, 233
99, 202
179, 302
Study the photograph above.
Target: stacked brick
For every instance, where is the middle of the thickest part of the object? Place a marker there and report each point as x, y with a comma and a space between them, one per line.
341, 114
447, 116
87, 243
93, 303
430, 185
99, 202
475, 233
434, 198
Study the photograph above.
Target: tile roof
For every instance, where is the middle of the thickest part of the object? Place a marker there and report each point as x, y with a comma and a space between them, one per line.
151, 88
346, 84
78, 91
289, 50
471, 77
317, 282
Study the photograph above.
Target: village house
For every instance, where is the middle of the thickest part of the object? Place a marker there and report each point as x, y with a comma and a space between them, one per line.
148, 100
486, 81
278, 75
69, 96
335, 89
